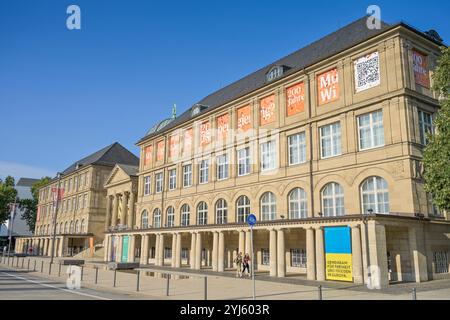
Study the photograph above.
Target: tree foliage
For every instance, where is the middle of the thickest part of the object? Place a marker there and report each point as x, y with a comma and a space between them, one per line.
8, 195
29, 206
437, 152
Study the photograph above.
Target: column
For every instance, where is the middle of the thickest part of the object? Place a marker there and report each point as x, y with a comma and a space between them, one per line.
144, 249
221, 253
192, 253
50, 246
377, 255
157, 249
248, 245
115, 209
281, 263
123, 218
417, 254
130, 220
273, 252
215, 251
178, 256
106, 247
161, 249
45, 247
320, 255
198, 251
310, 255
108, 213
357, 255
174, 250
241, 241
131, 248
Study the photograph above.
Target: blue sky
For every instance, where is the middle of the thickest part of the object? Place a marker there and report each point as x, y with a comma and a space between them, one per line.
65, 94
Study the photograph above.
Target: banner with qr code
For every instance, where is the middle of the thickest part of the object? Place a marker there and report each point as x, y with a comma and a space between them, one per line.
367, 72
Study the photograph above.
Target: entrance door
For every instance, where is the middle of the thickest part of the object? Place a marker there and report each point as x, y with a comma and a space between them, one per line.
113, 248
125, 248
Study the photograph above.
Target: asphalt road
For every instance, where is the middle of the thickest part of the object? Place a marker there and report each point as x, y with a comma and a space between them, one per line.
20, 285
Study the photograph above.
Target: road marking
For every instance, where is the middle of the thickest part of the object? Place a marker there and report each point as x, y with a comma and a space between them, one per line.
50, 286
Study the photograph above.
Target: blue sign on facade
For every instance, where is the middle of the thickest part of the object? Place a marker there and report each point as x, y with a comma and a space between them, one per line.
251, 220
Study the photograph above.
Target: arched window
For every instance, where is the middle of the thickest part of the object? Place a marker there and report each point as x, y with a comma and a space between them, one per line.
83, 226
298, 208
66, 227
221, 211
71, 227
61, 228
57, 228
202, 213
170, 216
242, 209
333, 200
157, 218
185, 215
375, 195
268, 206
77, 226
144, 219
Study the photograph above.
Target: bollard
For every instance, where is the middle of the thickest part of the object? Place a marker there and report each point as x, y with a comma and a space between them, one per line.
82, 270
137, 280
42, 266
28, 265
320, 292
114, 283
59, 270
414, 294
50, 268
34, 268
168, 285
96, 274
206, 288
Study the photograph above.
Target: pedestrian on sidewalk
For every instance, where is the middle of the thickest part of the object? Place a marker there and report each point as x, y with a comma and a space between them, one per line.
238, 262
246, 264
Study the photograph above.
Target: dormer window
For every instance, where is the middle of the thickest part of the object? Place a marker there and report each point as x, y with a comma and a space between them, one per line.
275, 72
196, 109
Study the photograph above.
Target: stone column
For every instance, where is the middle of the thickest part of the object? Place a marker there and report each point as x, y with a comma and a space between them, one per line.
241, 241
320, 255
161, 250
45, 252
281, 263
131, 248
50, 246
115, 209
378, 255
215, 251
417, 254
357, 255
273, 252
157, 249
106, 247
198, 251
192, 253
178, 251
108, 212
248, 245
123, 219
144, 249
221, 253
174, 250
310, 255
130, 220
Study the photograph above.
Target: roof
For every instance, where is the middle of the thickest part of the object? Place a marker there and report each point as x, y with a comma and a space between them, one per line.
26, 182
338, 41
129, 169
108, 156
160, 125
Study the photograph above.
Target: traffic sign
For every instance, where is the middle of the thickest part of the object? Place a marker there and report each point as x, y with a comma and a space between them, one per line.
251, 220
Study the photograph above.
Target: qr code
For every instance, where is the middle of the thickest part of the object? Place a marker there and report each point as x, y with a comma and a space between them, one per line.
367, 72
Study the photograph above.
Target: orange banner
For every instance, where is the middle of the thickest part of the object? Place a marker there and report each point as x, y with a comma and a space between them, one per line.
160, 151
267, 110
420, 67
295, 99
223, 126
148, 155
328, 87
187, 147
243, 118
173, 146
205, 133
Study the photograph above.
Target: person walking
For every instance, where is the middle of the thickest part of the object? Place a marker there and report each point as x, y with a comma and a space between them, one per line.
246, 263
238, 262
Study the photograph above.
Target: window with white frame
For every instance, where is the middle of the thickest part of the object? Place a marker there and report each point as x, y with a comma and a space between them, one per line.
184, 253
170, 217
265, 257
298, 258
202, 213
203, 171
375, 195
268, 206
185, 215
157, 218
333, 200
172, 179
221, 211
297, 148
187, 175
222, 167
159, 182
147, 184
243, 209
167, 253
425, 126
371, 130
77, 227
330, 140
298, 208
144, 219
268, 155
243, 158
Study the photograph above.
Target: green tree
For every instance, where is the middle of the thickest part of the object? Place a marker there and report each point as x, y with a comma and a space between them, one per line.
8, 195
29, 206
437, 152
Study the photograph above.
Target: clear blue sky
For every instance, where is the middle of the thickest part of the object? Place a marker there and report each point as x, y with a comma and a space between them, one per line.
65, 94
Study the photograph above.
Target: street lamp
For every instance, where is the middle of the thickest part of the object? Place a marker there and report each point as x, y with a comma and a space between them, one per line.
58, 195
11, 226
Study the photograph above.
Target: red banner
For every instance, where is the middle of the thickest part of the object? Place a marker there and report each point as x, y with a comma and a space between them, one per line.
267, 110
244, 118
223, 126
205, 133
148, 155
295, 99
173, 146
328, 87
160, 151
420, 67
187, 147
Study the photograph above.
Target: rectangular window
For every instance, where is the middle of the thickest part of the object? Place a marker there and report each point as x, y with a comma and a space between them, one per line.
184, 253
265, 257
268, 155
425, 126
167, 253
152, 253
187, 175
371, 130
159, 182
297, 148
172, 179
85, 201
222, 167
440, 261
147, 185
298, 258
330, 140
204, 171
243, 157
